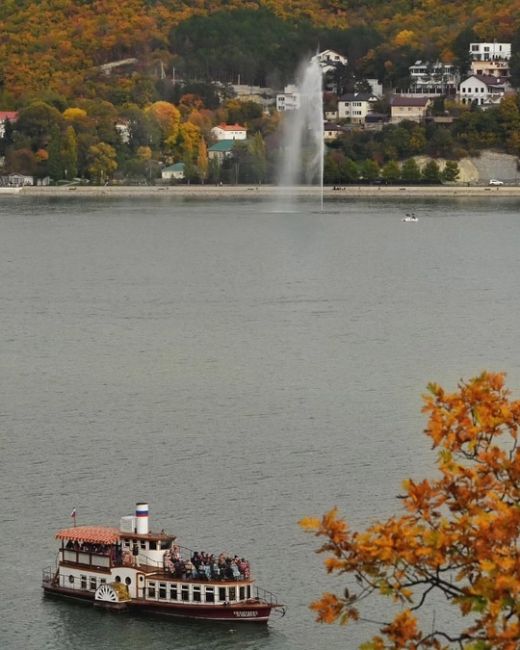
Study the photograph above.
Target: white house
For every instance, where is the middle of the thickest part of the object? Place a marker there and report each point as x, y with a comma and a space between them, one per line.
123, 128
329, 60
433, 78
229, 132
173, 172
12, 116
356, 106
413, 109
490, 51
332, 131
490, 59
289, 100
482, 89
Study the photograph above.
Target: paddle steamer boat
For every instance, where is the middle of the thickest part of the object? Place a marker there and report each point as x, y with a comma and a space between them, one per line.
132, 568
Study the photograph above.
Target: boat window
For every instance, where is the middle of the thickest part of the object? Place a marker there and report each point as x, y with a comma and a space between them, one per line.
196, 594
232, 593
242, 593
71, 579
143, 545
93, 584
165, 545
118, 578
210, 595
162, 590
185, 592
248, 591
153, 546
173, 592
83, 582
128, 580
102, 581
151, 590
222, 593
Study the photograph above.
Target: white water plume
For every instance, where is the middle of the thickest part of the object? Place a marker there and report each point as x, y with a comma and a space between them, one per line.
303, 146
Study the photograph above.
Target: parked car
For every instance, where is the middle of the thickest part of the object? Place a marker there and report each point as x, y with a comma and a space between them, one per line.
494, 181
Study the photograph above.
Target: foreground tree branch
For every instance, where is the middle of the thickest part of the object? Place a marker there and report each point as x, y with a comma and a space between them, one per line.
459, 535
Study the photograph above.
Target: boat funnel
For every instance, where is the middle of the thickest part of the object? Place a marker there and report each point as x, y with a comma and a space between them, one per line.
141, 517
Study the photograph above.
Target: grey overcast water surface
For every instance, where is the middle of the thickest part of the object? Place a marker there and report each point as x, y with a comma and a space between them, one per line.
238, 369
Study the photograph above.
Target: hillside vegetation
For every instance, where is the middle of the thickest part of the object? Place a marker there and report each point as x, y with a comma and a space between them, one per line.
57, 45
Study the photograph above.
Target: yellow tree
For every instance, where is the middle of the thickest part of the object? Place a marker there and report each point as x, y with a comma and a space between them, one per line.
458, 537
167, 117
202, 161
101, 161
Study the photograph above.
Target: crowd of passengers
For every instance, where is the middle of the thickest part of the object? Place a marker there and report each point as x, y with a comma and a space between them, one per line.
114, 551
203, 566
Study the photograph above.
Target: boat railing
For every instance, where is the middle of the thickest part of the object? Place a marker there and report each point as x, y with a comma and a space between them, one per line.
267, 596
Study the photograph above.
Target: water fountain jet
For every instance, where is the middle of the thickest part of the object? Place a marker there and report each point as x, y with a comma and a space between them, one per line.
303, 146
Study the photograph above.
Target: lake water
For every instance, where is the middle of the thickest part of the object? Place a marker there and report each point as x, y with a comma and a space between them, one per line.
237, 369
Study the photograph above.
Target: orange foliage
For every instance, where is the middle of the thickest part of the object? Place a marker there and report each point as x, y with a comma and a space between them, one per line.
459, 535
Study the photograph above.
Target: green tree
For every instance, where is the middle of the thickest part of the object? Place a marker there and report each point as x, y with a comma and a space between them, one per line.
451, 171
256, 149
55, 160
69, 154
431, 172
369, 170
410, 171
391, 172
36, 121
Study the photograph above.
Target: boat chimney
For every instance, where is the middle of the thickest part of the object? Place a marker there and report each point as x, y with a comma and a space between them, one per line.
141, 518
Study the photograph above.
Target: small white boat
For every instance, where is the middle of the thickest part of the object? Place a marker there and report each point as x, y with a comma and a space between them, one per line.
410, 218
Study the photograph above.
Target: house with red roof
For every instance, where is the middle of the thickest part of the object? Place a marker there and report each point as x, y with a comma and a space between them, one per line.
12, 116
229, 132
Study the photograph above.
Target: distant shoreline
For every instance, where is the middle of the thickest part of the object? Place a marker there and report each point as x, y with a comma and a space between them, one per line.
211, 192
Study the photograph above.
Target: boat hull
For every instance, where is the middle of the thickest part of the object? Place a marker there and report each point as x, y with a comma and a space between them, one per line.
247, 612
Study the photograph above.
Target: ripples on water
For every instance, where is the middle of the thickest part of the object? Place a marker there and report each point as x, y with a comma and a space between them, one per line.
236, 368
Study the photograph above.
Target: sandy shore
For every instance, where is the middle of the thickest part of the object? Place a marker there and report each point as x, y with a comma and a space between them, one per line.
211, 192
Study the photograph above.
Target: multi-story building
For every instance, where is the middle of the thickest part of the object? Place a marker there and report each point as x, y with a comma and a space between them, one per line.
433, 78
490, 59
356, 106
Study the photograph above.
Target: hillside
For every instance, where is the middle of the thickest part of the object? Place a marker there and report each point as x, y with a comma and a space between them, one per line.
57, 45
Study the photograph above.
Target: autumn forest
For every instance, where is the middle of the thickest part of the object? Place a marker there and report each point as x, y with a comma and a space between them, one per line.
53, 51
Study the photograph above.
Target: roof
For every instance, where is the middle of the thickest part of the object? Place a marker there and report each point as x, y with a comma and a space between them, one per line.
177, 167
399, 100
488, 79
231, 127
359, 97
12, 116
92, 534
223, 146
329, 126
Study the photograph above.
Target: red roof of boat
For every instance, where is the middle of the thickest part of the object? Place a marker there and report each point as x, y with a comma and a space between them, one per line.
92, 534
